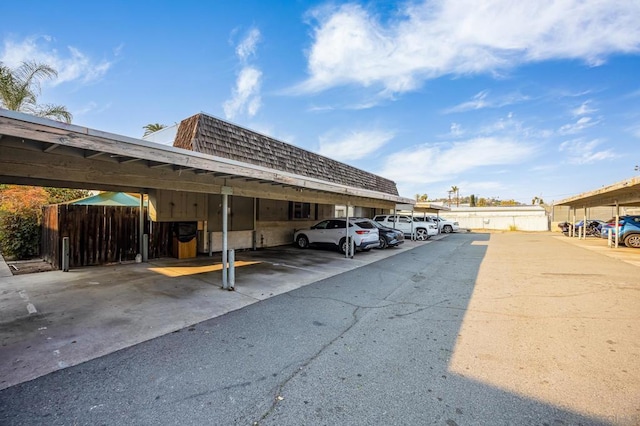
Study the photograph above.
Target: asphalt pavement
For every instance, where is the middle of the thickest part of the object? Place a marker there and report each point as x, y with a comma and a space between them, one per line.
489, 329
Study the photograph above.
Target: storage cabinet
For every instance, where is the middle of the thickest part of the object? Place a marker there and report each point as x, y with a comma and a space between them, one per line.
174, 206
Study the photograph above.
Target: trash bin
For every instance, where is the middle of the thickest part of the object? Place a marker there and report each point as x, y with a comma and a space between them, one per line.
184, 244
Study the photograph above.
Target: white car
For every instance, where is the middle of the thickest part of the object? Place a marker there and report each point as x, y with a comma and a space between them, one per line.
333, 232
445, 226
408, 225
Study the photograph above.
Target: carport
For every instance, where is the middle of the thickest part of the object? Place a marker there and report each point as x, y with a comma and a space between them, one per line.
625, 193
210, 156
421, 207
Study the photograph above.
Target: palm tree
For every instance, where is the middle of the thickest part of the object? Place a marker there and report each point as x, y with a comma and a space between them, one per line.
456, 191
153, 127
537, 200
20, 87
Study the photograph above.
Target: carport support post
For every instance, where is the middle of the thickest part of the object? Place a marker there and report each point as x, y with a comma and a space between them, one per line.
145, 247
348, 252
141, 228
65, 254
225, 204
413, 231
232, 269
617, 225
573, 228
584, 224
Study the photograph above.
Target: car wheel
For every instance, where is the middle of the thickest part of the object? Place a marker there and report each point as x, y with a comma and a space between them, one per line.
383, 243
422, 234
342, 246
302, 241
447, 229
632, 240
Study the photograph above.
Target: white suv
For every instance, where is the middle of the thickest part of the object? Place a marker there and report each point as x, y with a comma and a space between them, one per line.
408, 225
333, 232
446, 226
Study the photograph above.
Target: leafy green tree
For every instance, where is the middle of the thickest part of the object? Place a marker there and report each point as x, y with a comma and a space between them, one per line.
20, 88
21, 216
152, 127
61, 195
472, 200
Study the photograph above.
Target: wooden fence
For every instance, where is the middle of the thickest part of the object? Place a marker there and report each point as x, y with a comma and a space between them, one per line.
99, 234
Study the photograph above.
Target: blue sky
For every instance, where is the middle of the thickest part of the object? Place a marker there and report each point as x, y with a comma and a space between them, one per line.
508, 99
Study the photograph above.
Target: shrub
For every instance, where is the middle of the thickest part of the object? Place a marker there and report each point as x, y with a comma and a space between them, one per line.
20, 234
21, 214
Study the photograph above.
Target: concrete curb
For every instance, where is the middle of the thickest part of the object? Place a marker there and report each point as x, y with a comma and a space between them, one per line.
4, 268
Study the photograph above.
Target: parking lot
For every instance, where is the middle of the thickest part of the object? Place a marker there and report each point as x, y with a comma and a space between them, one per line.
475, 328
57, 319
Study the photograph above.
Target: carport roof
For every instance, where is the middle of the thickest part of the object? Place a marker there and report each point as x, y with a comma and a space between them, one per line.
625, 193
37, 151
422, 207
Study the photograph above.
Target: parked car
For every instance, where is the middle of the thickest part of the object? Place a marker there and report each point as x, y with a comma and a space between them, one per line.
629, 230
408, 225
333, 232
446, 226
389, 237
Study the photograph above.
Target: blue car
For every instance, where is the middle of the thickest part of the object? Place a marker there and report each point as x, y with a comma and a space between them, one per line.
629, 227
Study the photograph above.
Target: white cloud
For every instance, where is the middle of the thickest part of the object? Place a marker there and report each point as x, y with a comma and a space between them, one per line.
247, 46
355, 145
91, 107
580, 151
74, 66
431, 163
481, 100
245, 96
456, 129
584, 109
352, 45
635, 131
577, 127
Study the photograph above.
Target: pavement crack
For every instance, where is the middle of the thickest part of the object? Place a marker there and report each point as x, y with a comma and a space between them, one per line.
277, 394
355, 305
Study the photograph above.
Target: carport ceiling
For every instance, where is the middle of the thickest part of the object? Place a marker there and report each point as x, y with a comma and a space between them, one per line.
625, 193
36, 151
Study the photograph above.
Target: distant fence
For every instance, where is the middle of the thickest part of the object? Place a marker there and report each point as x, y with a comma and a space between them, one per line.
99, 234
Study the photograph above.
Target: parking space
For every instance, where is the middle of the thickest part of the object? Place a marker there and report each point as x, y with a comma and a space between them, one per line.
599, 245
53, 320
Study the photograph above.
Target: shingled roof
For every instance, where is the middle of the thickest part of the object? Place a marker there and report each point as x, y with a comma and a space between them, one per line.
209, 135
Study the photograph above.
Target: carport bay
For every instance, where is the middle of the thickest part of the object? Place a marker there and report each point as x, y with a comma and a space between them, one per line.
244, 189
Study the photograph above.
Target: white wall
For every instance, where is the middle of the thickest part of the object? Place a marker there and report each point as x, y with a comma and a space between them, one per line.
527, 218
